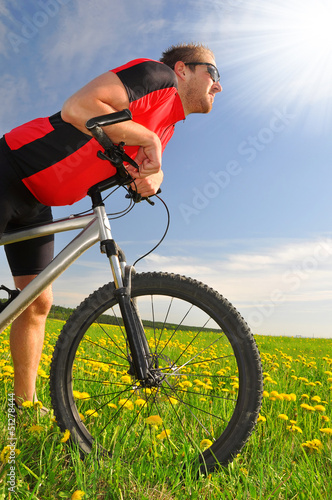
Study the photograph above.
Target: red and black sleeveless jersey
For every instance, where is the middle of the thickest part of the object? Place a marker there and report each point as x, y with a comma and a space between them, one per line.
58, 163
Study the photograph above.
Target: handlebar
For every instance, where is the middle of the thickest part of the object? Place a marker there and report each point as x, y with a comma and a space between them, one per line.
115, 153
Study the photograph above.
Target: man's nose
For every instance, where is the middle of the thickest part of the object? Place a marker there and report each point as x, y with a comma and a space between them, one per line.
217, 87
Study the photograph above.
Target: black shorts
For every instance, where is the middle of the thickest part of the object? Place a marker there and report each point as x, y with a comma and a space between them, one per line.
19, 208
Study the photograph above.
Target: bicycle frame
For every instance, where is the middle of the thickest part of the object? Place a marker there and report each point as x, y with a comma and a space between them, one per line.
95, 227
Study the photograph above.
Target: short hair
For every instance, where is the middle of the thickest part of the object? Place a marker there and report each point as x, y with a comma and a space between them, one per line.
185, 52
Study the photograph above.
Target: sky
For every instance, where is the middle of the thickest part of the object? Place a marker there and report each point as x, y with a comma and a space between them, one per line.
248, 185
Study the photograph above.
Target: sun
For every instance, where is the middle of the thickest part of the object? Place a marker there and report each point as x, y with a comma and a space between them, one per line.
312, 29
281, 52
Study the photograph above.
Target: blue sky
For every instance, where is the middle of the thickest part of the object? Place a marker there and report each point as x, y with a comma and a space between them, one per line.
248, 186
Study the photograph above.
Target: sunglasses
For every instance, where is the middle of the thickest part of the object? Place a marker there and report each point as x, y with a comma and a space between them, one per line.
211, 68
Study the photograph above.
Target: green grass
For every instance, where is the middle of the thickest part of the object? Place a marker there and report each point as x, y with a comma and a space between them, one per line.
274, 464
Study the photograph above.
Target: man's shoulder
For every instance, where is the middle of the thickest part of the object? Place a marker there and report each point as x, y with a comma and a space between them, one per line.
143, 76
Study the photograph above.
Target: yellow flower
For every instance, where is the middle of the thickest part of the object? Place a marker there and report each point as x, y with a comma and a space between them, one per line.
205, 443
326, 430
125, 403
81, 395
316, 398
77, 495
154, 419
140, 402
282, 416
319, 408
6, 452
261, 418
42, 373
293, 428
164, 434
315, 444
66, 436
92, 413
111, 405
27, 404
266, 394
325, 418
126, 379
305, 406
36, 428
37, 404
304, 396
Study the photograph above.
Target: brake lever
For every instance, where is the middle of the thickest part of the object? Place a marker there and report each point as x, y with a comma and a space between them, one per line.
137, 198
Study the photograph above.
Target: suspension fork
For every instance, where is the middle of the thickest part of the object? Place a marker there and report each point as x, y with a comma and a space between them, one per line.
128, 307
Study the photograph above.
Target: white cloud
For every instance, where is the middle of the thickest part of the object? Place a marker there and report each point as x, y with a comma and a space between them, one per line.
287, 289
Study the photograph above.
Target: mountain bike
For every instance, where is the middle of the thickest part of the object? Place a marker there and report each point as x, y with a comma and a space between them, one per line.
151, 364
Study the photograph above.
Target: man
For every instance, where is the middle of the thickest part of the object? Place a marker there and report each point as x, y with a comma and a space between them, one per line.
53, 161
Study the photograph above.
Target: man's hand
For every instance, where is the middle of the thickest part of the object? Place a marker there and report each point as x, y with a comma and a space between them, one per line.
148, 159
146, 186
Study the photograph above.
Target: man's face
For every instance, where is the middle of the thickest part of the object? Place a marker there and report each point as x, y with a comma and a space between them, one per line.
200, 88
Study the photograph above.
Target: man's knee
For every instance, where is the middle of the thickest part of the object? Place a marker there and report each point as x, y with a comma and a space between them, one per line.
42, 304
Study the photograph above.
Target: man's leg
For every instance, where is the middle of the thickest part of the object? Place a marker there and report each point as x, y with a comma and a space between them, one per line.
26, 342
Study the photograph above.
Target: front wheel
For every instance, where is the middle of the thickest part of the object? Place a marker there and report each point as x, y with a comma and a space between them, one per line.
204, 391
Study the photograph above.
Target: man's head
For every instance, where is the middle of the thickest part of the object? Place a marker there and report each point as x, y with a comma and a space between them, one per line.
198, 77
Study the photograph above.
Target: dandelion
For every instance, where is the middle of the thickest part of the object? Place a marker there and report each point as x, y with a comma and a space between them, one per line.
282, 416
6, 452
111, 405
36, 428
261, 418
66, 436
140, 402
8, 368
125, 403
27, 404
304, 396
205, 443
126, 379
294, 428
164, 434
42, 373
315, 444
81, 395
154, 420
305, 406
319, 408
326, 430
37, 404
325, 418
77, 495
91, 413
174, 401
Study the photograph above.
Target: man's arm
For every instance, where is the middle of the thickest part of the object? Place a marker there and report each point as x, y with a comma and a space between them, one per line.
106, 94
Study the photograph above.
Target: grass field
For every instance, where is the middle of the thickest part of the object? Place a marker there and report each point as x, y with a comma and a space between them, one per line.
289, 455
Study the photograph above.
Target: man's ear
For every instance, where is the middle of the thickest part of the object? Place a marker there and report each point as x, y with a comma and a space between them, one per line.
180, 70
